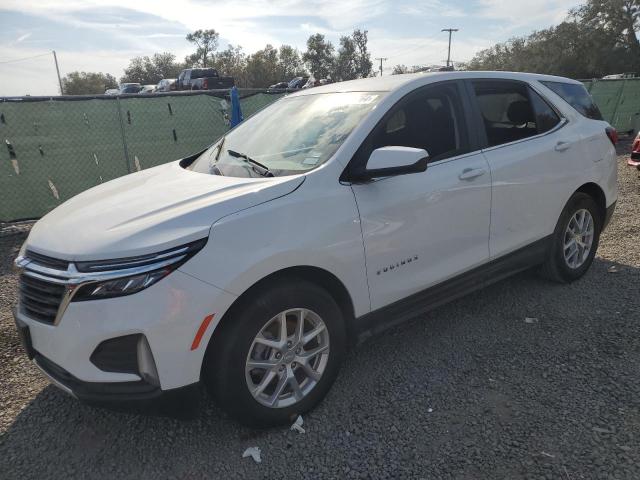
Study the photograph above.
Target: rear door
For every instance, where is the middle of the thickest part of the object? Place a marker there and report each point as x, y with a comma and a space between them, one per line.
530, 150
423, 228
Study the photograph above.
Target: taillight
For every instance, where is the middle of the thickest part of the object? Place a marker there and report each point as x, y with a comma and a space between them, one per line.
612, 134
205, 84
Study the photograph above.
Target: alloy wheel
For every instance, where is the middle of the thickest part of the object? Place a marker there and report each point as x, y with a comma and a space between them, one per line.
578, 238
287, 358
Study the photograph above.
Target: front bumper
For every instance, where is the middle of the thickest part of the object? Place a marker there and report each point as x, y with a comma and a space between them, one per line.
168, 315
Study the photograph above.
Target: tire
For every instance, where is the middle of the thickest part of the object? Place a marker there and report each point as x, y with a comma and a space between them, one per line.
556, 266
225, 369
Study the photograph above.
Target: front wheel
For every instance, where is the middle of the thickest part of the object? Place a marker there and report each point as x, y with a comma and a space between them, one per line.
575, 240
277, 355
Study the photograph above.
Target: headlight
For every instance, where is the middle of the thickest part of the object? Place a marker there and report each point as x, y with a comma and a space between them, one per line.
125, 276
119, 286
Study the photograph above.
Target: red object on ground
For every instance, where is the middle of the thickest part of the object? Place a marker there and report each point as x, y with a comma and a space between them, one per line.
634, 160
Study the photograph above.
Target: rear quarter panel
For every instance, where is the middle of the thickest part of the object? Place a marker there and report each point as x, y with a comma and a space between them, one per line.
597, 162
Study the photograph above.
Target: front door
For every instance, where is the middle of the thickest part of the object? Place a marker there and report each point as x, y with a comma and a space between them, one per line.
420, 229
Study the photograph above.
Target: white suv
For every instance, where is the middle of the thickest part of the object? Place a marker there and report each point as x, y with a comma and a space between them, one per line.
328, 216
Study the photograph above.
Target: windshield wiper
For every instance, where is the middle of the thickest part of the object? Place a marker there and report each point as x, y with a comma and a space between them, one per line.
257, 166
220, 147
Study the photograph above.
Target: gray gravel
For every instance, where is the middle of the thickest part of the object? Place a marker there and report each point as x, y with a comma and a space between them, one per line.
471, 392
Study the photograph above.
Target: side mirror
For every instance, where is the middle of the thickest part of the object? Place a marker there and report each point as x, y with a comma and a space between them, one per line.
391, 161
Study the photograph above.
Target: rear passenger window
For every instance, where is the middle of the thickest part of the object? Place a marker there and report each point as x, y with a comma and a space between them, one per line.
431, 119
577, 96
511, 111
546, 117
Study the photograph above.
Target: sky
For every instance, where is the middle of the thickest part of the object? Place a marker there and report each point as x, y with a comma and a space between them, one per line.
101, 36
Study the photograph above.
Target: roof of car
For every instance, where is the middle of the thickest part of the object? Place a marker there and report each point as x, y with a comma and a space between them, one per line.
392, 82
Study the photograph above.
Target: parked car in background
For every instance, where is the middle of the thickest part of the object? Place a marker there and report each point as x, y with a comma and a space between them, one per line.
112, 91
322, 219
298, 82
166, 85
147, 89
202, 79
130, 88
312, 82
279, 86
212, 83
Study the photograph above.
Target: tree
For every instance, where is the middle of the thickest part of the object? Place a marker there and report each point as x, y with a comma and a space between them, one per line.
353, 59
290, 64
620, 17
596, 39
346, 63
150, 70
206, 42
233, 62
262, 67
319, 56
400, 69
364, 65
87, 83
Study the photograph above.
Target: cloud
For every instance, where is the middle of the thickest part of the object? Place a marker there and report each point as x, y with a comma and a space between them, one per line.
430, 8
522, 14
22, 38
97, 35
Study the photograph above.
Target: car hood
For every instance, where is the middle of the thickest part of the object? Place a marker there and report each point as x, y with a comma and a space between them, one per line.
148, 211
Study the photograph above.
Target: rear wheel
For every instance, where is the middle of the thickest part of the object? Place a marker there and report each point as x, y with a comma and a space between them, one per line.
575, 240
277, 355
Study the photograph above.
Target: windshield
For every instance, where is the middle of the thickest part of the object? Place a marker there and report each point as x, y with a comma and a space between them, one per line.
293, 135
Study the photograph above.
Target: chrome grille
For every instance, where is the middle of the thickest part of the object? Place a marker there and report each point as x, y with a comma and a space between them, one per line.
47, 261
40, 299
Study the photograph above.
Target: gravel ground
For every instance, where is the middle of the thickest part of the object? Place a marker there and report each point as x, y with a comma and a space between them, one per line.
472, 392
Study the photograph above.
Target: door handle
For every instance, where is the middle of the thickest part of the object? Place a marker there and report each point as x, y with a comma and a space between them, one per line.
471, 173
562, 146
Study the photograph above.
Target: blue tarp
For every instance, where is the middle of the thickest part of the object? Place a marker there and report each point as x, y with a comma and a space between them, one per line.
236, 111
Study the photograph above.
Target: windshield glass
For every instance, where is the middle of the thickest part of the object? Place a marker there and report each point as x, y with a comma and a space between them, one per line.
293, 135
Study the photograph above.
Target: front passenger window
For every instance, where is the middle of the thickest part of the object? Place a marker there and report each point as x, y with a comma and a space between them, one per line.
431, 119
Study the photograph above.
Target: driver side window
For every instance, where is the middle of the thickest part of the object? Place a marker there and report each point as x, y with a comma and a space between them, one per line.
431, 119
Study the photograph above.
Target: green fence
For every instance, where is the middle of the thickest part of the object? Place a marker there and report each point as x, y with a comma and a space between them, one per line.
618, 100
54, 148
57, 147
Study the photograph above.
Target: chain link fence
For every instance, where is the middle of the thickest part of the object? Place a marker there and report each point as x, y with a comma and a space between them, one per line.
618, 100
57, 147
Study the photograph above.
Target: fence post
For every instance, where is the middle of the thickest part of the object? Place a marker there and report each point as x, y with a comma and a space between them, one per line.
124, 138
614, 119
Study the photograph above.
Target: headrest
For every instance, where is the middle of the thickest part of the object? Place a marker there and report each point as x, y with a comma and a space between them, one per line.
519, 112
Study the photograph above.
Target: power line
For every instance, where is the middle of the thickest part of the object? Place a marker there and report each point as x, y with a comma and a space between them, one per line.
420, 44
382, 59
25, 58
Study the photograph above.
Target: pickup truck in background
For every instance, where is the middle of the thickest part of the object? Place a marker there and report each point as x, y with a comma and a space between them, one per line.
202, 79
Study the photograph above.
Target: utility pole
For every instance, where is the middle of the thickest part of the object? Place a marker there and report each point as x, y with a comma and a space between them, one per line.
450, 30
382, 59
55, 59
